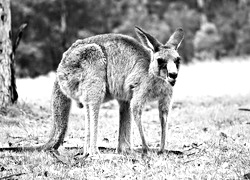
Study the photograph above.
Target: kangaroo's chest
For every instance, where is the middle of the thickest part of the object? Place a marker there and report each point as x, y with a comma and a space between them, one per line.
158, 91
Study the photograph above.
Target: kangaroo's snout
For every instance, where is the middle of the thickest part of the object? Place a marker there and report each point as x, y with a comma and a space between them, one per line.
173, 75
169, 71
172, 78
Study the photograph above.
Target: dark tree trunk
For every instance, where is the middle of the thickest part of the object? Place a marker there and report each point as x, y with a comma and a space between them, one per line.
8, 92
8, 46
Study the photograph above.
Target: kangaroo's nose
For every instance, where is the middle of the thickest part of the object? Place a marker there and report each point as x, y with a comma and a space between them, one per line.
173, 75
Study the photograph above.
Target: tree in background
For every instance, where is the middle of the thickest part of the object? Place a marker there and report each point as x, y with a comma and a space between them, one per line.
55, 24
8, 92
8, 46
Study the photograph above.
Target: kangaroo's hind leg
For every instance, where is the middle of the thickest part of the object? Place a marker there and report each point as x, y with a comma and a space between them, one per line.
164, 106
91, 111
124, 139
92, 97
136, 109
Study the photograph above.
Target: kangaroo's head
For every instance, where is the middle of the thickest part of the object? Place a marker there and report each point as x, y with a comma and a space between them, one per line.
165, 59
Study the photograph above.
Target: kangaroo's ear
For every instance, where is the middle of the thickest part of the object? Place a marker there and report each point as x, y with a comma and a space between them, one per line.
176, 38
147, 40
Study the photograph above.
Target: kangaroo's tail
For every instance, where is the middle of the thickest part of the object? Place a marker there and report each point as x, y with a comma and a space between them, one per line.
60, 113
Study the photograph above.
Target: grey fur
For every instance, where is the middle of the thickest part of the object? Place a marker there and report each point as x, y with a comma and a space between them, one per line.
114, 66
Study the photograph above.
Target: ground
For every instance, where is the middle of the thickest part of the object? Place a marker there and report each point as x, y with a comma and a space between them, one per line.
208, 138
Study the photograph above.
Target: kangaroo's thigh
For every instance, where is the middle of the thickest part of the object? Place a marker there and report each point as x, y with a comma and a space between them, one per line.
82, 69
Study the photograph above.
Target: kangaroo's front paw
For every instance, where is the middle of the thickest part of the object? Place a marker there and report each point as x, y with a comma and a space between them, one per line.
91, 151
145, 149
94, 153
161, 151
124, 148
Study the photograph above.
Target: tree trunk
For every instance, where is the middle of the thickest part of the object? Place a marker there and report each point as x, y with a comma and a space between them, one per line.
6, 88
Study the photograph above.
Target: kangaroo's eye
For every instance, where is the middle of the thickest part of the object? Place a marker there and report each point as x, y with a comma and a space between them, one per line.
161, 62
178, 60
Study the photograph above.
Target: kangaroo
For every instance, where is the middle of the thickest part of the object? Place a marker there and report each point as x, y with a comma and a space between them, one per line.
113, 66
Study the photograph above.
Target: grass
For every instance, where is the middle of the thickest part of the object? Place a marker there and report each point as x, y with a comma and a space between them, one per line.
209, 131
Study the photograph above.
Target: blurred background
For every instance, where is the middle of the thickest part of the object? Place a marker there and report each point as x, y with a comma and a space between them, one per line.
213, 28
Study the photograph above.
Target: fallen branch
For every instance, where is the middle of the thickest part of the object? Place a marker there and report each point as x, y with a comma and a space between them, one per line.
244, 109
18, 37
10, 176
246, 176
80, 159
57, 156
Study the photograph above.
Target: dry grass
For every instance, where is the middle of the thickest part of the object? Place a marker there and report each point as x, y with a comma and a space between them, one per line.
206, 128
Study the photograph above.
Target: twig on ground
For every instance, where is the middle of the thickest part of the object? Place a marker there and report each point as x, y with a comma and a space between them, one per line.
56, 155
194, 147
10, 176
191, 160
244, 109
175, 152
246, 176
80, 159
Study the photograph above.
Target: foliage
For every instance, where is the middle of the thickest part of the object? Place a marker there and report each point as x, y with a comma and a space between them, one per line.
54, 25
232, 19
206, 41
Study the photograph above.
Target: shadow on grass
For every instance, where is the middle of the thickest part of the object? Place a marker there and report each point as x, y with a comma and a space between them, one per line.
138, 150
9, 122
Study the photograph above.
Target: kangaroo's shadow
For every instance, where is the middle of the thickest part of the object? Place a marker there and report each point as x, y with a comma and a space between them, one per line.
103, 149
139, 150
156, 150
